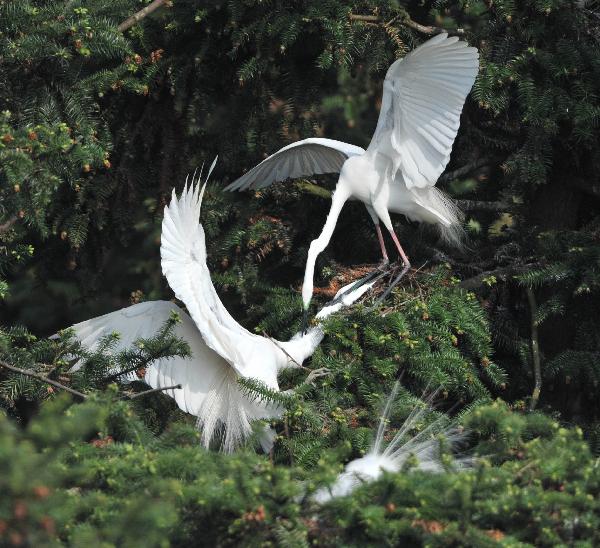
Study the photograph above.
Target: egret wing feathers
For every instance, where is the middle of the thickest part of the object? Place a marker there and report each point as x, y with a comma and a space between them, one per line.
313, 156
183, 259
144, 320
423, 97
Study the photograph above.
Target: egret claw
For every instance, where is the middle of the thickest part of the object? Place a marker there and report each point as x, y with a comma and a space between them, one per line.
317, 373
375, 274
394, 283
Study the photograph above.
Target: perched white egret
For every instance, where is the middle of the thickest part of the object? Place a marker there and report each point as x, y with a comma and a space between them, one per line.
423, 97
222, 350
424, 448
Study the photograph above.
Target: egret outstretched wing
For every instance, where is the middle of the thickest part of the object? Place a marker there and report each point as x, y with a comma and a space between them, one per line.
183, 259
312, 156
195, 374
423, 97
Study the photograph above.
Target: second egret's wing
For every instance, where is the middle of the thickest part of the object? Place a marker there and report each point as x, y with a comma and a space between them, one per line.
313, 156
183, 259
423, 97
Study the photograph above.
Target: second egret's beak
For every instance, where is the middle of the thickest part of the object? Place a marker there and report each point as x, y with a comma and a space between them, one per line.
304, 320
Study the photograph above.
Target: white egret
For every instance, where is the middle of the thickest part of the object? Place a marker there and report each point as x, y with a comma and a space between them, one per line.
423, 97
222, 350
424, 448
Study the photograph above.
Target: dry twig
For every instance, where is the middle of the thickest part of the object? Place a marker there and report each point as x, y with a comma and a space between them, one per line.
405, 21
138, 16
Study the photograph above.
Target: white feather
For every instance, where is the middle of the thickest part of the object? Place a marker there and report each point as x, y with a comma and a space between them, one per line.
423, 96
313, 156
222, 350
423, 447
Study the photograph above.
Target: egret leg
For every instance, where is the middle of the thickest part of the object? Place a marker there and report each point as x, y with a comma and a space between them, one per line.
382, 268
384, 254
405, 268
304, 320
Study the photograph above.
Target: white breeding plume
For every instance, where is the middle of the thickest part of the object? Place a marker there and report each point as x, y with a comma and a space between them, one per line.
424, 448
423, 97
222, 350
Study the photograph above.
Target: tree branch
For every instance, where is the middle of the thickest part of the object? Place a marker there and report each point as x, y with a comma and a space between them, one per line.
146, 392
404, 20
480, 205
138, 16
4, 227
464, 170
535, 351
43, 379
503, 273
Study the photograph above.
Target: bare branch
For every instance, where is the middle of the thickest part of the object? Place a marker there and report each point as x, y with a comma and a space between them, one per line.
138, 16
404, 20
535, 351
479, 205
39, 377
146, 392
4, 227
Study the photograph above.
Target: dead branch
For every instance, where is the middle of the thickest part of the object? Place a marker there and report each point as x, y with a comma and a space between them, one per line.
39, 377
480, 205
403, 20
138, 16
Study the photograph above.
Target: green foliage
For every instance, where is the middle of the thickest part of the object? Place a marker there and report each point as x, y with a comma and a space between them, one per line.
65, 360
72, 479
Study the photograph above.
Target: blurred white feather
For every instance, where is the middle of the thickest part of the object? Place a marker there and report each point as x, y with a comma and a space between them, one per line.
424, 448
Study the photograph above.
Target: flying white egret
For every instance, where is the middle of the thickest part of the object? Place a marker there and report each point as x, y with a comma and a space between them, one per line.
222, 350
423, 97
424, 448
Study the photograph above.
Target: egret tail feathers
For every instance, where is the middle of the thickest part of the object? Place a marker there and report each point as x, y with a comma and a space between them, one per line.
446, 214
227, 410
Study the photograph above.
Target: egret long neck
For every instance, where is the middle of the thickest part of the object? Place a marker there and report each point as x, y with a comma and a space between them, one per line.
301, 347
339, 198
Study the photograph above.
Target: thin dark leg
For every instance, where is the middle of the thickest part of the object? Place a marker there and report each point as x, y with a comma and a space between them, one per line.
394, 283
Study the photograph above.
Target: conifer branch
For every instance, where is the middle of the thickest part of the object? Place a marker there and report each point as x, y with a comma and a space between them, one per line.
146, 392
405, 21
42, 378
503, 273
535, 350
138, 16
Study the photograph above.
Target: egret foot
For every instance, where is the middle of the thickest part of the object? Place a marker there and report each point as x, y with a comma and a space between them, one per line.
383, 268
394, 283
316, 374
